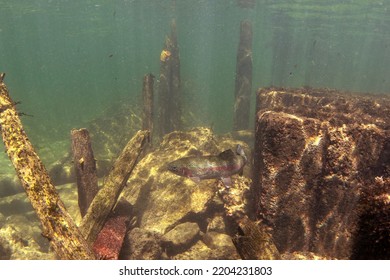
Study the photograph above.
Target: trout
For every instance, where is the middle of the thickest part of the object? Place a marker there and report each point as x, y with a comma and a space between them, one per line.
221, 166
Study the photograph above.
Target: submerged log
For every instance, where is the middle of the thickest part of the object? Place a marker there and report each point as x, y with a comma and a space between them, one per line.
107, 196
148, 98
169, 85
58, 227
243, 78
85, 166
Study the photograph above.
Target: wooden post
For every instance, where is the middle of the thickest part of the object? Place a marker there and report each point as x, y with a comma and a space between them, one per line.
107, 196
243, 78
163, 92
169, 99
85, 166
175, 102
148, 112
64, 236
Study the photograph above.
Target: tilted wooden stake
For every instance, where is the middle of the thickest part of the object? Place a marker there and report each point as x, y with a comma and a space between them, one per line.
58, 226
107, 196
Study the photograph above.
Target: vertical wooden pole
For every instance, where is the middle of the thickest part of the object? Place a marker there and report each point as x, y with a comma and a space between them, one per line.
169, 98
148, 99
85, 166
163, 91
175, 102
243, 78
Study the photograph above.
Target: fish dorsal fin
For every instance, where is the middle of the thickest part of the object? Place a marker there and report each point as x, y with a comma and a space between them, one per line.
194, 153
228, 154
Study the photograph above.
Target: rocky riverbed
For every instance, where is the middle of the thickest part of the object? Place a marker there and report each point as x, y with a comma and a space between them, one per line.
317, 180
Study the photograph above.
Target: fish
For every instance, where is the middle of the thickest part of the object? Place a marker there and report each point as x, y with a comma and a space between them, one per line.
220, 166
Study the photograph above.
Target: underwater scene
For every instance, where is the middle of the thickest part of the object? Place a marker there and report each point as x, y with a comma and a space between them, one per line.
195, 129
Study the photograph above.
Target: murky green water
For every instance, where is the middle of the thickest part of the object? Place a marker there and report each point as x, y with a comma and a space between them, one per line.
67, 61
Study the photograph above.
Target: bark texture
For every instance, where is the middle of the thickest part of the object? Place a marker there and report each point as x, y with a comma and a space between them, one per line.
64, 236
243, 78
107, 196
85, 167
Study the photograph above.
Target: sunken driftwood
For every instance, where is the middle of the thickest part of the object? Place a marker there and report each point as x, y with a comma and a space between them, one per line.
107, 196
63, 234
148, 112
243, 86
85, 167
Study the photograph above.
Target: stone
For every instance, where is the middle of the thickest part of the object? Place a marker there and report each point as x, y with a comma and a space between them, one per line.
180, 237
17, 216
162, 199
216, 224
221, 243
235, 199
302, 256
141, 244
9, 184
5, 249
316, 151
15, 245
2, 220
372, 237
15, 204
200, 251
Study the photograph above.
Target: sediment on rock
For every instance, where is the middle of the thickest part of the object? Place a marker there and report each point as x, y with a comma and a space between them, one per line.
315, 152
165, 203
372, 236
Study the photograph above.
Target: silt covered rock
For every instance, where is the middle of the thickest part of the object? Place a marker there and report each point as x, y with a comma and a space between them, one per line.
316, 151
176, 207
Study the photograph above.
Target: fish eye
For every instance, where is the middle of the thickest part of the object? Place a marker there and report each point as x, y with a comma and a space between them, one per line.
172, 167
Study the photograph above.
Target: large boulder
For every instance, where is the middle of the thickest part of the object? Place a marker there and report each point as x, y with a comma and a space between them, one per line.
315, 152
162, 199
170, 205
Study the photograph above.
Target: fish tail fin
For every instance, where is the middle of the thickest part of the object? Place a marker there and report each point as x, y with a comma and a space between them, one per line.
240, 151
